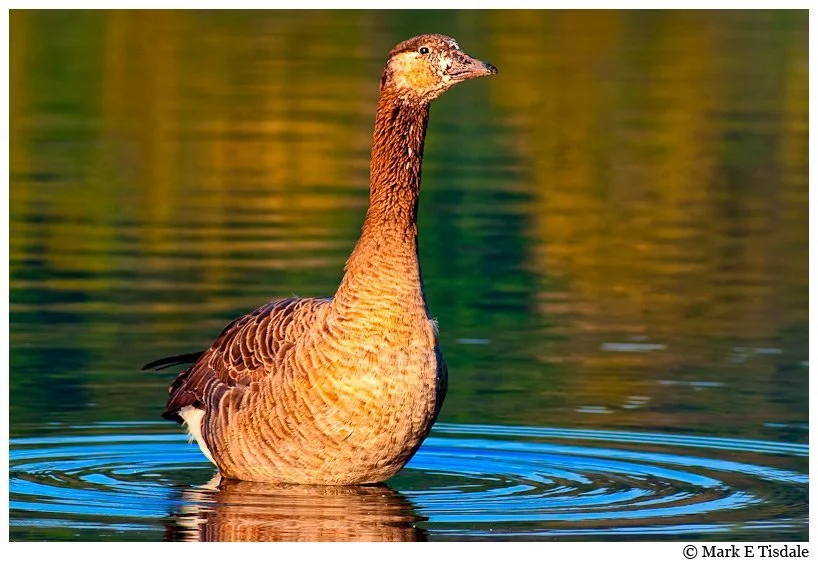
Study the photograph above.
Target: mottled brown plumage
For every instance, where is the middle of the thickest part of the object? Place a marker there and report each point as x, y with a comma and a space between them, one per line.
339, 390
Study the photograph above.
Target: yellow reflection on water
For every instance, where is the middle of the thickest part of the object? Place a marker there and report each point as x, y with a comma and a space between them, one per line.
170, 162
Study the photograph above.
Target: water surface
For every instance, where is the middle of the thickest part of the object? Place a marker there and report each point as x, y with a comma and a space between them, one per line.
613, 235
126, 481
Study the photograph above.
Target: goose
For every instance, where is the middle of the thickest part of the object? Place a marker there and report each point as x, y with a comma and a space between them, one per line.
340, 390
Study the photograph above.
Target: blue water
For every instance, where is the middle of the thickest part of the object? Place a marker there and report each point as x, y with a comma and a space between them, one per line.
466, 482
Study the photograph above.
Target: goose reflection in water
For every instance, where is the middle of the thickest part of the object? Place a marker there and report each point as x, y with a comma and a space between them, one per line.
245, 511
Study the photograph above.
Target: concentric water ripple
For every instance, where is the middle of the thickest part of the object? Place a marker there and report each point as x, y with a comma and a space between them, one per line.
465, 482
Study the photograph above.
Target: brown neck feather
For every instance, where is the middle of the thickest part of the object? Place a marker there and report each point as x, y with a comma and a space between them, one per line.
383, 269
397, 153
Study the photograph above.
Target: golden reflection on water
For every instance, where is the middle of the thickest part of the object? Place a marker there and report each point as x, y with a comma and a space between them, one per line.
642, 203
241, 511
166, 165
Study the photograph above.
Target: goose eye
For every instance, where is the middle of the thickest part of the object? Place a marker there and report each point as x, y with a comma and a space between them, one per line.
423, 50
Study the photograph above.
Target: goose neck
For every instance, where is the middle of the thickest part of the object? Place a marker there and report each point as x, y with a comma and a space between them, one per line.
383, 268
395, 168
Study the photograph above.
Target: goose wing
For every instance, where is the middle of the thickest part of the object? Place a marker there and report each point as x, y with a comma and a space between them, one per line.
248, 350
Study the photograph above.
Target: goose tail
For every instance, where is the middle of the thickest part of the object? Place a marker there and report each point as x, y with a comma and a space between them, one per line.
165, 362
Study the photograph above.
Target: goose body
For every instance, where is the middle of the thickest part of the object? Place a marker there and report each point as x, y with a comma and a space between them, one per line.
338, 390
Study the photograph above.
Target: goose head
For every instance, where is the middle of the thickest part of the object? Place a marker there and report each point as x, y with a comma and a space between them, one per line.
422, 68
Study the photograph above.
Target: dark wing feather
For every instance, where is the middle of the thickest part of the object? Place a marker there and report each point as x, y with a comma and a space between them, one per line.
247, 350
165, 362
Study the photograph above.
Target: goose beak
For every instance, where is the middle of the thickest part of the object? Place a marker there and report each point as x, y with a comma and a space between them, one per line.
464, 67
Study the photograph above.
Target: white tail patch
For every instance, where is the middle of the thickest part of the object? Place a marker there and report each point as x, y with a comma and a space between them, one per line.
193, 420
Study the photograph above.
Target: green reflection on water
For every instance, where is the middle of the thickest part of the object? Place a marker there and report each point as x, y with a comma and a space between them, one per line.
613, 230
